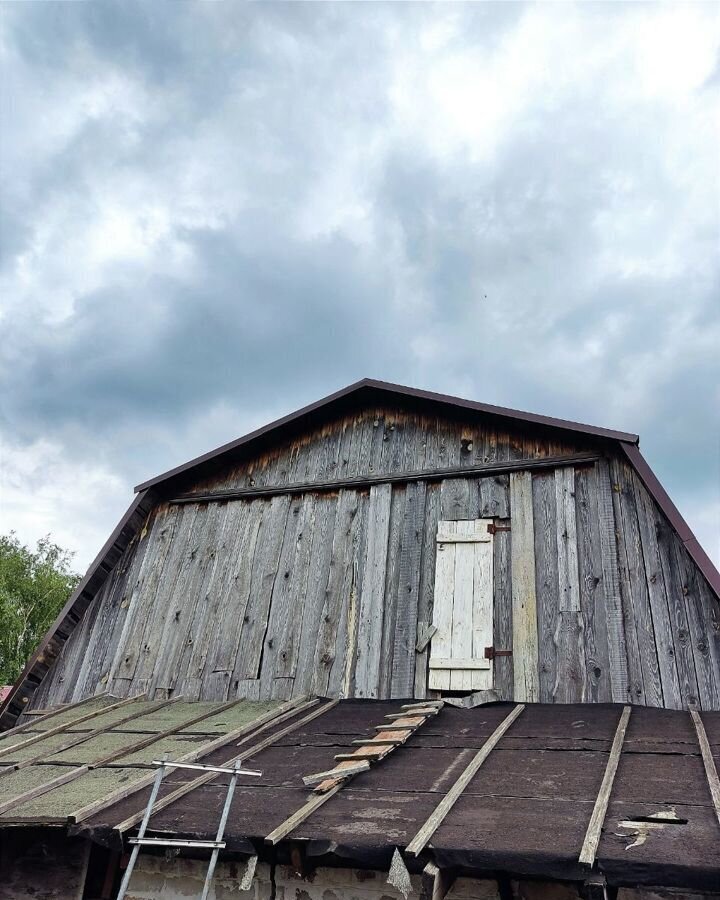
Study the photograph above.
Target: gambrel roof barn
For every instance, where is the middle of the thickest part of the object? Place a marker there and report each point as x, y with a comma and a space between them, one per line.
497, 585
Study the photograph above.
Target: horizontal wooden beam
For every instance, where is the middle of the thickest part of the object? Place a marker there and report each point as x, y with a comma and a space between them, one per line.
488, 469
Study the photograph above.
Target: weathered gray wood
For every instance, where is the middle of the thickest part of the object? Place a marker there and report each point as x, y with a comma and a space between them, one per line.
699, 624
158, 601
371, 608
546, 580
288, 590
524, 603
569, 639
592, 598
658, 599
144, 586
569, 635
503, 668
672, 576
638, 614
418, 843
708, 761
362, 765
342, 672
235, 594
212, 601
336, 596
427, 585
392, 587
568, 578
406, 613
594, 829
178, 634
310, 608
617, 649
264, 572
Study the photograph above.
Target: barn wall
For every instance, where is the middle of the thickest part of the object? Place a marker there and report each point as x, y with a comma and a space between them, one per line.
327, 592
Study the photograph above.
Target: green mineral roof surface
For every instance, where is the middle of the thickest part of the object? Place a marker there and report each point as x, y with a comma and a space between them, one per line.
101, 782
67, 798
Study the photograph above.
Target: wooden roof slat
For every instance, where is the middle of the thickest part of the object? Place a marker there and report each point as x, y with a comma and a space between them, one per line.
85, 736
417, 844
189, 786
594, 829
70, 724
91, 808
66, 707
707, 757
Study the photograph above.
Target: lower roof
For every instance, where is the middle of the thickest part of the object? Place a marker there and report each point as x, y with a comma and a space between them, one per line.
525, 812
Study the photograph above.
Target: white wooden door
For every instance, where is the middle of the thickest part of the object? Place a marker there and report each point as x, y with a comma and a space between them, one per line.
463, 607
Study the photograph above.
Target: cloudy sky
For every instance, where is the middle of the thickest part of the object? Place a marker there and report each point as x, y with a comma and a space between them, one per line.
215, 213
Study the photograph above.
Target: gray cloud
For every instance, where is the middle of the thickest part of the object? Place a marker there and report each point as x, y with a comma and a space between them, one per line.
213, 216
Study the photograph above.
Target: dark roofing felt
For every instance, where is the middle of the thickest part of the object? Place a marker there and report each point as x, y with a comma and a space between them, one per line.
362, 392
525, 812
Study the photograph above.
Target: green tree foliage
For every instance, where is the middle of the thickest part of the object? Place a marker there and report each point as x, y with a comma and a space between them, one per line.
34, 586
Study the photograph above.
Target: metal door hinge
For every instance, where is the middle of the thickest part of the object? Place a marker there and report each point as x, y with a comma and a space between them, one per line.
493, 528
491, 653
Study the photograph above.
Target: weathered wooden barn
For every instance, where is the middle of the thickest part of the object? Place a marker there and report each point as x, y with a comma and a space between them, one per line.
385, 545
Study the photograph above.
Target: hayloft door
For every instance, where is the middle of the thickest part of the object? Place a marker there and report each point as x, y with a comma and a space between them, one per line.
462, 607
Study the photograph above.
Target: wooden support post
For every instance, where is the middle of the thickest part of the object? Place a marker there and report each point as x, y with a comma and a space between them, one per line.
594, 829
708, 761
436, 882
417, 844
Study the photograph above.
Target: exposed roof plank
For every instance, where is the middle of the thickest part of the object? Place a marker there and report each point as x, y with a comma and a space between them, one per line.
417, 844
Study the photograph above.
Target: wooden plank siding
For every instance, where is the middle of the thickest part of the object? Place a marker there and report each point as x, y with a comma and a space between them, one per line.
328, 593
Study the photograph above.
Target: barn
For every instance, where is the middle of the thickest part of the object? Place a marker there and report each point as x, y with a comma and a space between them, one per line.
472, 652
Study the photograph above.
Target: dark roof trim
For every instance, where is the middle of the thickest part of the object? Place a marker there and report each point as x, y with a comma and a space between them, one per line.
661, 497
384, 390
50, 646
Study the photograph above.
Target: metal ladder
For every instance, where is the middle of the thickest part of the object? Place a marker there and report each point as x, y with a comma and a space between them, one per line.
216, 846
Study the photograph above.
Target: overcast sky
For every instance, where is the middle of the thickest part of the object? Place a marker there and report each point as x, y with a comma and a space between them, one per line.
215, 213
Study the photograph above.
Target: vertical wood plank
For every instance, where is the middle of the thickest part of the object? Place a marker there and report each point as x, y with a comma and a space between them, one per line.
482, 613
372, 596
592, 598
407, 609
524, 600
570, 630
568, 578
638, 614
617, 647
546, 580
427, 583
439, 679
503, 667
330, 649
658, 599
398, 504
